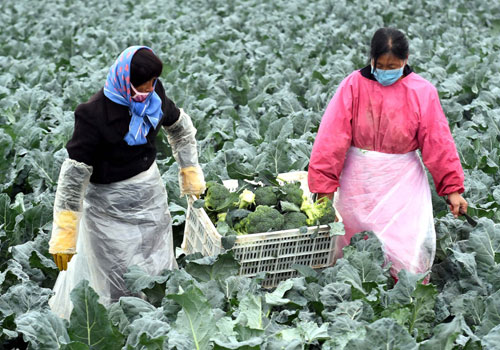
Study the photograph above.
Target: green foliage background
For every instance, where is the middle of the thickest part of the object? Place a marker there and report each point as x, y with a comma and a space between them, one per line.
256, 77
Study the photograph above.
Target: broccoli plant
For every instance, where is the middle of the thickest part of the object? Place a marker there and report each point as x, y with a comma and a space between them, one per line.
263, 219
246, 199
218, 198
294, 220
291, 192
234, 218
215, 196
244, 213
321, 211
329, 214
266, 196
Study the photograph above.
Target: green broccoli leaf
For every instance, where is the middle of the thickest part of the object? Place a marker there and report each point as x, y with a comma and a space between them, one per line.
197, 319
289, 207
236, 215
199, 203
89, 321
213, 267
228, 241
336, 229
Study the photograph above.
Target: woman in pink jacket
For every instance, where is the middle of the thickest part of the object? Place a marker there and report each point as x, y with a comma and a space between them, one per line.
366, 151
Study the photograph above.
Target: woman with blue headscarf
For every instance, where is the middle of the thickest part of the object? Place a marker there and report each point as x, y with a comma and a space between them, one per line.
111, 209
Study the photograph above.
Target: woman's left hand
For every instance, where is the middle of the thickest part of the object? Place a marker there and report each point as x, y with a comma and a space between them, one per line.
458, 205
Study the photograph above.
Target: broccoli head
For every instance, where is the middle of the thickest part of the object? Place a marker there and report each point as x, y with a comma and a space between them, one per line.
221, 216
294, 220
317, 210
234, 218
291, 192
266, 196
217, 196
329, 215
263, 219
246, 199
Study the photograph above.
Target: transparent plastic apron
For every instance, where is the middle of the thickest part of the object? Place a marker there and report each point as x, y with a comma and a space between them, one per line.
388, 194
124, 223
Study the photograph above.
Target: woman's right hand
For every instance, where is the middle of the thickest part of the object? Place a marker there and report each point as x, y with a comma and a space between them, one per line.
327, 195
330, 197
458, 205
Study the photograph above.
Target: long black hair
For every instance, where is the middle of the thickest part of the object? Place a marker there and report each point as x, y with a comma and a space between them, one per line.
388, 40
145, 66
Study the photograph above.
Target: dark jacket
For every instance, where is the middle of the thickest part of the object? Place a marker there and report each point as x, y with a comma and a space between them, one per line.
101, 125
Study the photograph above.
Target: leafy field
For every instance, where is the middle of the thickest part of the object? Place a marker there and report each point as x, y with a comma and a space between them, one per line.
256, 77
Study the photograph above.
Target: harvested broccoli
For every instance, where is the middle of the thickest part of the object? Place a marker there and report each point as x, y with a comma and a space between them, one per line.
221, 217
266, 196
263, 219
218, 198
224, 229
317, 210
234, 218
239, 228
294, 220
246, 199
229, 223
291, 192
329, 215
210, 184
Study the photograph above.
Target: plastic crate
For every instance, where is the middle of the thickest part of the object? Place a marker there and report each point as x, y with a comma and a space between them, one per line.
270, 252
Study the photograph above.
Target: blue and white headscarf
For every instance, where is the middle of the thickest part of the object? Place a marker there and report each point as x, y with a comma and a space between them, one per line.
145, 114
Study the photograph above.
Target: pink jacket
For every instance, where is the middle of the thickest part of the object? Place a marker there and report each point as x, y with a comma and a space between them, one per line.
391, 119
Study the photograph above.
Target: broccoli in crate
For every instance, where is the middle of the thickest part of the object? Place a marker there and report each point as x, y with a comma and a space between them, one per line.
263, 219
266, 195
291, 192
320, 212
216, 196
217, 200
258, 209
294, 220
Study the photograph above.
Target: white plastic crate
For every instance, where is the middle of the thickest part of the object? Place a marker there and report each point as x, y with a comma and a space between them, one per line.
271, 252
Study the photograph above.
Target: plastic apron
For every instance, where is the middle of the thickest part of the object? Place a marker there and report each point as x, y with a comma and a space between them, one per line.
124, 223
388, 194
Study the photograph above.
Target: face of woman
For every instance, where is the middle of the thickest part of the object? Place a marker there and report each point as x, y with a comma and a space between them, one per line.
388, 61
148, 86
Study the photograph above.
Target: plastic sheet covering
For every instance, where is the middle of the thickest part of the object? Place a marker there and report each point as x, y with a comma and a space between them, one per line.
388, 194
73, 180
124, 223
181, 137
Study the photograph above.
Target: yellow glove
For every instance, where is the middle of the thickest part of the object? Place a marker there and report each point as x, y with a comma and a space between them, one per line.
191, 181
62, 244
62, 260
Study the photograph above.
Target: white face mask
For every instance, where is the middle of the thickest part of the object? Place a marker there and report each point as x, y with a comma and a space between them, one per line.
139, 96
